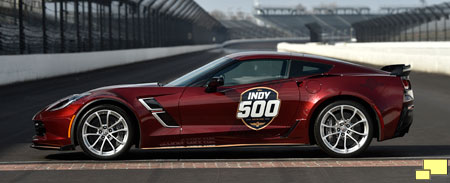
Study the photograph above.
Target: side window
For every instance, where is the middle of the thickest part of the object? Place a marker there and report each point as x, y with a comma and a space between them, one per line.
302, 68
253, 71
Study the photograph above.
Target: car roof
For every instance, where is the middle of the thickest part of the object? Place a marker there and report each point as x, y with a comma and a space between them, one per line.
287, 55
259, 54
249, 55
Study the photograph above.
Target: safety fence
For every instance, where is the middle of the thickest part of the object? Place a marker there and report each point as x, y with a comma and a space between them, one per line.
61, 26
418, 24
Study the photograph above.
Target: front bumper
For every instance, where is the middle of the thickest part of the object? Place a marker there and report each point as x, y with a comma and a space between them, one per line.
51, 133
53, 130
49, 147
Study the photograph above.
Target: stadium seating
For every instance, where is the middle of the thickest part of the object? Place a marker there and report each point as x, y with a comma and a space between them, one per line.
244, 29
295, 24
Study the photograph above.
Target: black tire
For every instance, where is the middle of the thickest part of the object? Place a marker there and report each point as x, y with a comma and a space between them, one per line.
344, 129
105, 134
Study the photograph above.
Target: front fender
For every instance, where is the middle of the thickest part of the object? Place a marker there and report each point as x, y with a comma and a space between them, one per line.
98, 100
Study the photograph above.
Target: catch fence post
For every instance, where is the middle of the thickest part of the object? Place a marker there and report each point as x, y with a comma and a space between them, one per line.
139, 35
77, 25
111, 44
21, 29
90, 46
126, 26
44, 27
61, 25
118, 26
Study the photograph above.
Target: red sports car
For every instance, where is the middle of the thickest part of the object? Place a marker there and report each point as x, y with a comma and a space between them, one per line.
243, 99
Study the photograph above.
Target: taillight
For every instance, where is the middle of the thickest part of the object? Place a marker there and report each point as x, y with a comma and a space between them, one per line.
406, 84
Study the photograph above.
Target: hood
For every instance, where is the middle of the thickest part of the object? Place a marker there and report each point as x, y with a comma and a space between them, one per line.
142, 85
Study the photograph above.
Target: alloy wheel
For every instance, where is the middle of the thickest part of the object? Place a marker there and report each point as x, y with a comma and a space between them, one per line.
105, 132
344, 129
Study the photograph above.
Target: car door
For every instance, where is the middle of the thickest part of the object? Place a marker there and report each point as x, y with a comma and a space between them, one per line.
257, 102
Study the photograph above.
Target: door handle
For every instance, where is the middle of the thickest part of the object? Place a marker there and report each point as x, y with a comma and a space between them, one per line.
299, 83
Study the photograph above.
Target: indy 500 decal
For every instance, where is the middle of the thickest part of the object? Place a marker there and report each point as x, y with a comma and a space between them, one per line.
258, 107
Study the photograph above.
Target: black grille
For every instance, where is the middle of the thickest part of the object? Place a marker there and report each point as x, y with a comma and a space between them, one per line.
406, 119
39, 128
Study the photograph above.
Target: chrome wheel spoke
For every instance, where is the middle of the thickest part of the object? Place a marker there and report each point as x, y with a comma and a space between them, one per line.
342, 113
359, 133
92, 126
114, 148
120, 130
95, 142
90, 134
353, 115
335, 133
107, 117
354, 140
117, 122
117, 140
331, 114
337, 142
354, 124
103, 144
345, 142
99, 118
327, 126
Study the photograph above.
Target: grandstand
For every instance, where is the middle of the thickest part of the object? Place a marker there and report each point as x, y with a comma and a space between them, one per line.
245, 29
66, 26
336, 21
429, 23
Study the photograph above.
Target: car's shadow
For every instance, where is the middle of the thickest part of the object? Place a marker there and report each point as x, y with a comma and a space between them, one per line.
266, 152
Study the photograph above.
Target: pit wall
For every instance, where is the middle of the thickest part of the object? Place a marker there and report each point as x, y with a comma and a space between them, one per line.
431, 57
19, 68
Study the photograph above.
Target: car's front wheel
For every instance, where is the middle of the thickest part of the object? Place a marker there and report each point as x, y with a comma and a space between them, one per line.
343, 129
105, 132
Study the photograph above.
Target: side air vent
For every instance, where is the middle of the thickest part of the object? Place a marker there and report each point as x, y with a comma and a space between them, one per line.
151, 104
165, 119
159, 113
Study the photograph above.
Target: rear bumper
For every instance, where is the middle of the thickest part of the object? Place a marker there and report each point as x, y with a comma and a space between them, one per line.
406, 119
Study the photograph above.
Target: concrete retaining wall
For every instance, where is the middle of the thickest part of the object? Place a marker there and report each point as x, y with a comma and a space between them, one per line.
17, 68
433, 57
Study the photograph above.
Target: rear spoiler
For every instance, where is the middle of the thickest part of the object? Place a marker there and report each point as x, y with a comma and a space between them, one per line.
398, 69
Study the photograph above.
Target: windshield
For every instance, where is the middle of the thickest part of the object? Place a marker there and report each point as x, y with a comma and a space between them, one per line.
199, 73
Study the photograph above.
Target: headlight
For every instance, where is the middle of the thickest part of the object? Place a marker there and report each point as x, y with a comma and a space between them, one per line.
60, 104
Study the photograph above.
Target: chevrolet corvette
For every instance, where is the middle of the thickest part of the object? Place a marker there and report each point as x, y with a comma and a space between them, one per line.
243, 99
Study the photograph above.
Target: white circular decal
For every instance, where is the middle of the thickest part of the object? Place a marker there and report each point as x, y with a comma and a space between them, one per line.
258, 107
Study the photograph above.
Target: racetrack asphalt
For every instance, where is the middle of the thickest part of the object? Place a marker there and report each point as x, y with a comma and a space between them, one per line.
283, 175
429, 136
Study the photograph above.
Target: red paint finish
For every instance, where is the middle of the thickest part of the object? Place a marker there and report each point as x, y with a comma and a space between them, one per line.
214, 114
210, 118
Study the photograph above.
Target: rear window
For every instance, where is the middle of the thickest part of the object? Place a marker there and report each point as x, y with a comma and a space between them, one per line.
303, 68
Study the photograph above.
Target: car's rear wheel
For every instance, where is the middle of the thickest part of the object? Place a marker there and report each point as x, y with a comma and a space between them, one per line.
105, 132
343, 129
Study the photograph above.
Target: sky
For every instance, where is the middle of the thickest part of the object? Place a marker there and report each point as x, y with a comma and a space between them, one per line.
247, 5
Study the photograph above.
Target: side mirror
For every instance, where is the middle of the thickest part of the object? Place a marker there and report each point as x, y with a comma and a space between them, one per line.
214, 83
